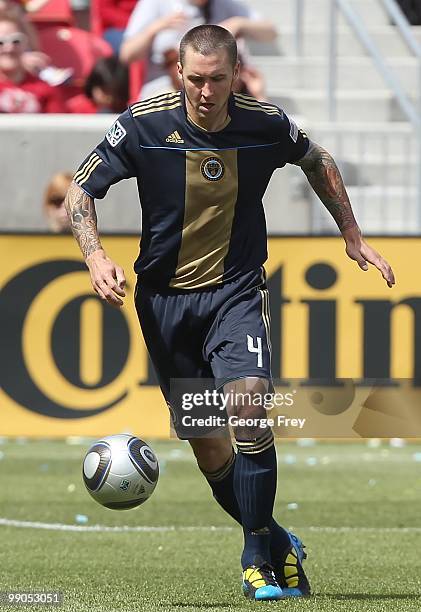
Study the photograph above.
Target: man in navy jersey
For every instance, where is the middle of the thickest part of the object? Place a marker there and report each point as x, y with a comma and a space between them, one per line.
203, 158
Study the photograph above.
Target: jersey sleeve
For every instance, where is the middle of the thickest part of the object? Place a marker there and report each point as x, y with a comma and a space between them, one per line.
294, 142
110, 162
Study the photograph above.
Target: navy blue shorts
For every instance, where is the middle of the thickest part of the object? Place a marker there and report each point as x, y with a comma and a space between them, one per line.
220, 333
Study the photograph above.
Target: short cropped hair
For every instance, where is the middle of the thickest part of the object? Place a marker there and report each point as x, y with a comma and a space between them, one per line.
206, 39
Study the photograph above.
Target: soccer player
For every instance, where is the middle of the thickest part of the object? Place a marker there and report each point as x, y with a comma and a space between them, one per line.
203, 158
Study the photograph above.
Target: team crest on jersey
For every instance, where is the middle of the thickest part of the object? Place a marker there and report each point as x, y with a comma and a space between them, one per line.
212, 169
115, 134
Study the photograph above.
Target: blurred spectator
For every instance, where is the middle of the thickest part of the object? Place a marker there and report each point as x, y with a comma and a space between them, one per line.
412, 10
156, 27
114, 16
21, 92
33, 59
9, 8
53, 206
108, 86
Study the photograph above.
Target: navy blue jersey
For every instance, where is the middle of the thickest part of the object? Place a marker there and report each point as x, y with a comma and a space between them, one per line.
201, 192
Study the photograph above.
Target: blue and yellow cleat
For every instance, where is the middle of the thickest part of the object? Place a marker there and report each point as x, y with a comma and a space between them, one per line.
290, 573
259, 583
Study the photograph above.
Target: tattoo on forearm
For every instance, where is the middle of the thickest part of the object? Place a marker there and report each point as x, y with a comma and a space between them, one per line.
81, 212
325, 178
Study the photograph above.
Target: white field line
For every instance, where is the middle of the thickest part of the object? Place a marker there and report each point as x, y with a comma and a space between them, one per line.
106, 528
174, 528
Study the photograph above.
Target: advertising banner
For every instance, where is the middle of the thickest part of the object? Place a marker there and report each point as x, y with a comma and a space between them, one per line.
72, 365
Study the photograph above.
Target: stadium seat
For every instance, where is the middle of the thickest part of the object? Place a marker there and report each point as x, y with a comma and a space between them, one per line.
74, 48
48, 12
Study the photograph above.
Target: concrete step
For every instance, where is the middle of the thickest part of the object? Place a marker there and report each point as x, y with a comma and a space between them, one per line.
383, 154
379, 210
316, 42
316, 12
352, 105
370, 169
353, 140
352, 72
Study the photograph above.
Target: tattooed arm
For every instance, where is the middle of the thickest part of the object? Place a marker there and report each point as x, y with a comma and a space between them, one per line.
107, 278
324, 177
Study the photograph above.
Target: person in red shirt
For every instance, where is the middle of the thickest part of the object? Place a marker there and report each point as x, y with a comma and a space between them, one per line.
34, 59
20, 92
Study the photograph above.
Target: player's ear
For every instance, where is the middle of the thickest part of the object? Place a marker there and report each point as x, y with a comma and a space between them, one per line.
236, 71
180, 70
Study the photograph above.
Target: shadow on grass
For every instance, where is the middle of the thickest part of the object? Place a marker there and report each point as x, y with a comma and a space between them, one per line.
367, 596
204, 606
334, 596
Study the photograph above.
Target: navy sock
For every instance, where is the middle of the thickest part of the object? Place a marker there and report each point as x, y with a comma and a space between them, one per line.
222, 485
255, 488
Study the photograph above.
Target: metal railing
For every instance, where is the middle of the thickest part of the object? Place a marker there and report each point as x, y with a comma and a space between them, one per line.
411, 110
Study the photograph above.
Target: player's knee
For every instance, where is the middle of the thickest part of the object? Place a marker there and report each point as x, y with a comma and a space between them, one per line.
246, 396
247, 408
212, 453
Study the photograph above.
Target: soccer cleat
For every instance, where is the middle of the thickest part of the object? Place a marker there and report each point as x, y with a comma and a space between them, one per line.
259, 583
290, 574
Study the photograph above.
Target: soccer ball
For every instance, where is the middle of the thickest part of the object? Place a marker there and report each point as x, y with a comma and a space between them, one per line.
120, 472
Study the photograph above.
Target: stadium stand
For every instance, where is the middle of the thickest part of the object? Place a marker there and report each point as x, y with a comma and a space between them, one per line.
374, 143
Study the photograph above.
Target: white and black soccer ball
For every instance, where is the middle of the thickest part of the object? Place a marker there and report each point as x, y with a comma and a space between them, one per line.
120, 472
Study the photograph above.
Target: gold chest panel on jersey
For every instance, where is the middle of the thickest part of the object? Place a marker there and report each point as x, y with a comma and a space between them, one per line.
208, 217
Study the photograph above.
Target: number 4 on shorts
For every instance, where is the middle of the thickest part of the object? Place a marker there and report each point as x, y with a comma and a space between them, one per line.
255, 349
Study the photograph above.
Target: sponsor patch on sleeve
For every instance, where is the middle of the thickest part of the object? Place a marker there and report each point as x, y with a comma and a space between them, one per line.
293, 130
115, 134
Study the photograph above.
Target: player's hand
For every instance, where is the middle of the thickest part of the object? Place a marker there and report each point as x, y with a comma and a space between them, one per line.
361, 252
107, 278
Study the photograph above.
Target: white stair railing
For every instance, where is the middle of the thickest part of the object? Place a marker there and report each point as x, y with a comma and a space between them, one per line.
411, 110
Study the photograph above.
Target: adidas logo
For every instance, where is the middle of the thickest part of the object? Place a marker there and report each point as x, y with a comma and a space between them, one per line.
175, 137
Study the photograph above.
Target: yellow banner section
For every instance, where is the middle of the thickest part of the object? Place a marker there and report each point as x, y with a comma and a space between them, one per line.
71, 365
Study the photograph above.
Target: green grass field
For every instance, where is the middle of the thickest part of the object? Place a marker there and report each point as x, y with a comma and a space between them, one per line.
357, 508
